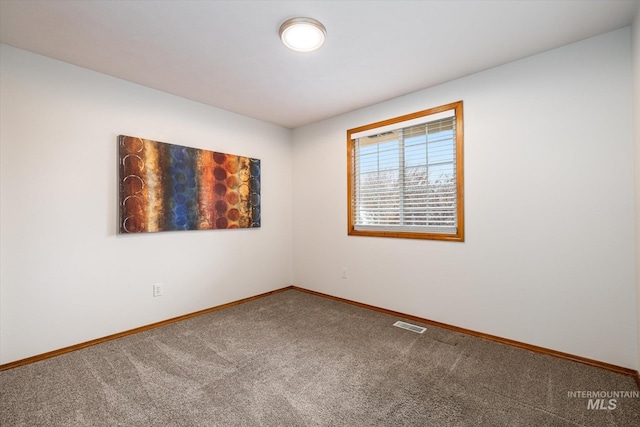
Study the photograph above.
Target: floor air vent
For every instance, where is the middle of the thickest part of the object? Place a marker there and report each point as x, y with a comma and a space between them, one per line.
410, 327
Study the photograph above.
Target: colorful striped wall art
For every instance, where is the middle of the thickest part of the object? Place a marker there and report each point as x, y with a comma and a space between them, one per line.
167, 187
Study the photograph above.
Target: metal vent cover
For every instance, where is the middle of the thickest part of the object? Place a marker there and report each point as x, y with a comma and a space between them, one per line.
409, 327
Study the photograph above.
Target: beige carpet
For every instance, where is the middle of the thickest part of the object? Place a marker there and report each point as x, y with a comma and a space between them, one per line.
295, 359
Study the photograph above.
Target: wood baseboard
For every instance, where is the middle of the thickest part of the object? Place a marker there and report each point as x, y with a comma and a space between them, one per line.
534, 348
75, 347
598, 364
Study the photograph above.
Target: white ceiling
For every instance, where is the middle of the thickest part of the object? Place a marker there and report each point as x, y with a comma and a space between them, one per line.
228, 54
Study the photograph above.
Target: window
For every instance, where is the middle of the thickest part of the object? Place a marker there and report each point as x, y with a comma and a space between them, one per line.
405, 176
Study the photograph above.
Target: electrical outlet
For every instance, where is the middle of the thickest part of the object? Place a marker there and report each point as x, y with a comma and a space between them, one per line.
158, 289
344, 272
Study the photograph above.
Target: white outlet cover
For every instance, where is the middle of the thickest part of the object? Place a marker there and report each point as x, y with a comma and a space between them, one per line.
157, 289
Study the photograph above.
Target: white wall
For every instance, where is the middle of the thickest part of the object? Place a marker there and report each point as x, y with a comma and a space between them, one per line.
66, 276
549, 252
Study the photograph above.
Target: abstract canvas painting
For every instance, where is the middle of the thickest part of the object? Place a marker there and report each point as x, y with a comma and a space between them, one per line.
167, 187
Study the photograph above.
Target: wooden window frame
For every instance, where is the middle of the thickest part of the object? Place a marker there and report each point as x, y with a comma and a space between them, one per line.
458, 236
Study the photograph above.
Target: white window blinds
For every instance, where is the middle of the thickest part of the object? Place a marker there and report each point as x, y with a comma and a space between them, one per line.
404, 179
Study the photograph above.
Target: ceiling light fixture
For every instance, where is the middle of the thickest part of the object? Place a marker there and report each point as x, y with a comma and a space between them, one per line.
302, 34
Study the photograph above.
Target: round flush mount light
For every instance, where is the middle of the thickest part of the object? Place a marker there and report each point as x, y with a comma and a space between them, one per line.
302, 34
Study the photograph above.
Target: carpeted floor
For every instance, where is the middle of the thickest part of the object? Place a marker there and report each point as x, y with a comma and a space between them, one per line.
295, 359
